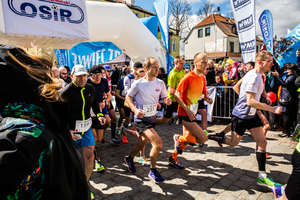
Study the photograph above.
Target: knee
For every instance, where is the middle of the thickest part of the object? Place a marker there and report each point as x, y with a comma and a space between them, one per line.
158, 145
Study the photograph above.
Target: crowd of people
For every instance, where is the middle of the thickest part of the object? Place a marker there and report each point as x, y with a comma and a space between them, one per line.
61, 116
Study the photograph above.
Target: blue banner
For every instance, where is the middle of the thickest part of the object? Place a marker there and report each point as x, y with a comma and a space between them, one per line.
266, 26
151, 23
91, 53
62, 57
285, 51
162, 12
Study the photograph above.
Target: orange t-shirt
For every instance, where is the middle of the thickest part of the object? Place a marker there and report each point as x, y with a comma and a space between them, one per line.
191, 88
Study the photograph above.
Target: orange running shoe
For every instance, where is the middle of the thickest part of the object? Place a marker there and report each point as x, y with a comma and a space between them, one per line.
124, 139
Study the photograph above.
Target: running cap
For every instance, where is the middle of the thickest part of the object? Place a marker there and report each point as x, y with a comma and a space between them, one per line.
78, 70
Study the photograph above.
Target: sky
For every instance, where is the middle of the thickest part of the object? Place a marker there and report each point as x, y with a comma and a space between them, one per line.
285, 12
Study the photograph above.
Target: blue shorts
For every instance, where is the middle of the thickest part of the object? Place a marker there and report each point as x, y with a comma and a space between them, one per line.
86, 140
105, 111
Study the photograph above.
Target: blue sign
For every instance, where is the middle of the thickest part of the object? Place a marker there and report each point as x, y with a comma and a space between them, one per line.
266, 26
62, 57
285, 51
90, 53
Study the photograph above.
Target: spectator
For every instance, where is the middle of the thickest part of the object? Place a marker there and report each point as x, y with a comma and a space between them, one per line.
162, 75
63, 74
289, 95
210, 76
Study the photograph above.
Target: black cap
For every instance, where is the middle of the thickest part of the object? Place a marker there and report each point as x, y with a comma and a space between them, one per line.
95, 69
138, 65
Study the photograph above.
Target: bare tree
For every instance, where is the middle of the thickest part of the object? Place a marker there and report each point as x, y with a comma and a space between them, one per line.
207, 9
180, 10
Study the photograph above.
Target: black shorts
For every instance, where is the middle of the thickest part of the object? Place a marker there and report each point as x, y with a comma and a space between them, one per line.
240, 125
120, 103
185, 118
201, 104
96, 124
145, 123
127, 111
170, 110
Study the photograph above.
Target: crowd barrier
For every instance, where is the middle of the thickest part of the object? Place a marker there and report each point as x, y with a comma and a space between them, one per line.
225, 101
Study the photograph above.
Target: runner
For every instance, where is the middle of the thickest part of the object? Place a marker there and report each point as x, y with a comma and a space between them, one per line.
245, 114
188, 93
174, 78
80, 98
147, 92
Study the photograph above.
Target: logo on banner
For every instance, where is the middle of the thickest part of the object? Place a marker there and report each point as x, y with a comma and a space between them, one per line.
238, 4
56, 10
248, 46
245, 24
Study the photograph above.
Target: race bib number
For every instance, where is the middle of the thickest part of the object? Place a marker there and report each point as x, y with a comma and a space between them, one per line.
83, 125
194, 108
150, 110
252, 111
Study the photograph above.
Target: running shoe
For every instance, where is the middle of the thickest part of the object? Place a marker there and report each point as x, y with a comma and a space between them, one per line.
92, 196
99, 167
175, 163
130, 164
124, 139
266, 182
218, 138
155, 176
115, 141
278, 191
178, 144
268, 156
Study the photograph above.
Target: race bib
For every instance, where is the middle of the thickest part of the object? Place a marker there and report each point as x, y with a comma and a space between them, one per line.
150, 110
252, 111
194, 108
83, 125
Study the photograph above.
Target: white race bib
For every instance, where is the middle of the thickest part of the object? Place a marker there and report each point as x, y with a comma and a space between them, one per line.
252, 111
194, 108
150, 110
83, 125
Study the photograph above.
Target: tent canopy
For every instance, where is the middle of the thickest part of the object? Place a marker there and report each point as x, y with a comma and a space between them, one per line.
123, 58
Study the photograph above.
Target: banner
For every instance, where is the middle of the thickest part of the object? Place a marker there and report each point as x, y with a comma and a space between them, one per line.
245, 19
151, 23
62, 57
64, 19
211, 92
285, 51
92, 53
266, 26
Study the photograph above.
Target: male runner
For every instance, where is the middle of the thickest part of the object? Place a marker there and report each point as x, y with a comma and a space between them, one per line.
146, 92
188, 93
245, 114
81, 97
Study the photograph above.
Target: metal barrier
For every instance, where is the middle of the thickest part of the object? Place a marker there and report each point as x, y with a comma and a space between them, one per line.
225, 101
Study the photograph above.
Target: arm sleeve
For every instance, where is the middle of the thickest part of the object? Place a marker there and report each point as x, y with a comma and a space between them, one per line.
133, 90
95, 105
251, 84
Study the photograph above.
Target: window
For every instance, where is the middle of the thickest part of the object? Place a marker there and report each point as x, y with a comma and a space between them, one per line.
200, 33
231, 45
174, 45
207, 31
234, 29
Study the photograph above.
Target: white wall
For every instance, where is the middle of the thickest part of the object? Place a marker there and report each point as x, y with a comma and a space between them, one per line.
206, 44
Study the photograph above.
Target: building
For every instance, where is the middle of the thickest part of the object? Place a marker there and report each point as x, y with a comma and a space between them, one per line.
216, 36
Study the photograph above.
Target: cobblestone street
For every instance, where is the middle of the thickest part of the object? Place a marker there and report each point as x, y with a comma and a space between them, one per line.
211, 172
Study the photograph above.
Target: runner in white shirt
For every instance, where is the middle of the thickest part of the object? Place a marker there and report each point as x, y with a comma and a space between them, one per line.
146, 92
244, 114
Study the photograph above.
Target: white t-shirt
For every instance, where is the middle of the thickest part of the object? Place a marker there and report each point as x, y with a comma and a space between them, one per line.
252, 82
147, 93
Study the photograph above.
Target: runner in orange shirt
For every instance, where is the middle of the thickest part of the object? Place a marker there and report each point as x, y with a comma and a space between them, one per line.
189, 91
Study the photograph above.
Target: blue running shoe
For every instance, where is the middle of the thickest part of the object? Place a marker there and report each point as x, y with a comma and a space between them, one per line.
155, 176
175, 163
130, 164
